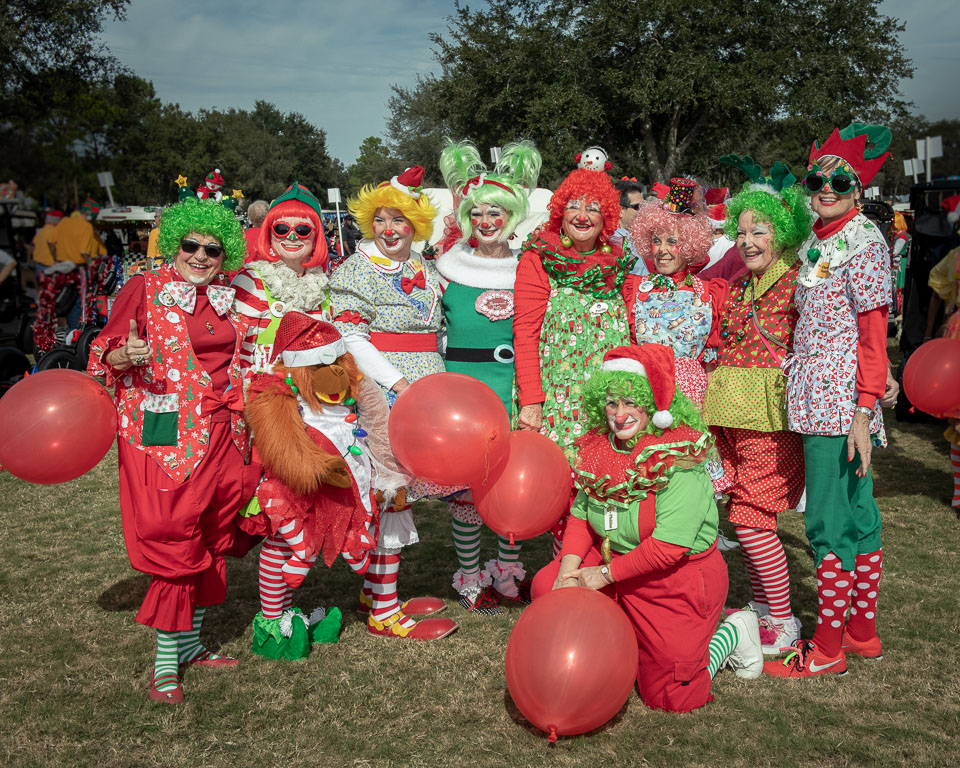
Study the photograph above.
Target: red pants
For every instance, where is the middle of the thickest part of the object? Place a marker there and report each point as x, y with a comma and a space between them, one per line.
179, 534
766, 469
674, 614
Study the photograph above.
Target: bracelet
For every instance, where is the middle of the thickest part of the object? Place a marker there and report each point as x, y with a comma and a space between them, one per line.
863, 409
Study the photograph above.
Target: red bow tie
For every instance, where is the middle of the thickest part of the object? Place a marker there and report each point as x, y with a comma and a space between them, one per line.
418, 281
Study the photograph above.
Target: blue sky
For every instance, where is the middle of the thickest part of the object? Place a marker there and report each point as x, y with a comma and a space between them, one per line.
334, 62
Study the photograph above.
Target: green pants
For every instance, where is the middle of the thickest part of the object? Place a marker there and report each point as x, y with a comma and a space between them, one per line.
842, 516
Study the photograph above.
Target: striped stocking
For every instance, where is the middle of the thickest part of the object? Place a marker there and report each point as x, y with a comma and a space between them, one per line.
724, 640
955, 463
298, 565
166, 667
507, 552
190, 646
275, 595
833, 593
382, 576
763, 551
862, 624
466, 540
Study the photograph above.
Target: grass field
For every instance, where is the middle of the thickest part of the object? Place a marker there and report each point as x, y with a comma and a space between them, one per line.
74, 666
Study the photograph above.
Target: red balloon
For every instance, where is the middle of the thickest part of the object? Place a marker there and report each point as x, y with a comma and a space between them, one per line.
571, 661
450, 429
56, 426
931, 377
530, 492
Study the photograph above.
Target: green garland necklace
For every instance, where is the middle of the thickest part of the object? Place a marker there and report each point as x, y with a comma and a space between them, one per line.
594, 281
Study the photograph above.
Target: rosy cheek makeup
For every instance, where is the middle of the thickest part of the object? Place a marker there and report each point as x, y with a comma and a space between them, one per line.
498, 222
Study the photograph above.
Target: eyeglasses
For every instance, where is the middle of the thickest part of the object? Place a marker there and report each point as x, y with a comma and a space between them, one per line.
212, 250
635, 206
301, 231
840, 182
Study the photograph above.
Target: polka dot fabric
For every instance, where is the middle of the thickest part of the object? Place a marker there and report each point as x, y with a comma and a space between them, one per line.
863, 600
833, 597
767, 473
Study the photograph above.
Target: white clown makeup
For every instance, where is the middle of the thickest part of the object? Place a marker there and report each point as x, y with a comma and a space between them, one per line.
393, 233
583, 222
488, 222
292, 238
625, 418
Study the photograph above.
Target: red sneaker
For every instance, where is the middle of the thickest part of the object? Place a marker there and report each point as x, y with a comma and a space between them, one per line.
173, 696
868, 649
807, 661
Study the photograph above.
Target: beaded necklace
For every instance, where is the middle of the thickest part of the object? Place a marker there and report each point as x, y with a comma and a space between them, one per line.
594, 281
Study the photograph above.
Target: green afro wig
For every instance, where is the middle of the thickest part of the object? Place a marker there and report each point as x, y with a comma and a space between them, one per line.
632, 386
204, 217
787, 212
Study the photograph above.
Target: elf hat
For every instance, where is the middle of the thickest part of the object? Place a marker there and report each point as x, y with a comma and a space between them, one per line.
717, 214
90, 207
215, 179
410, 182
303, 341
655, 362
300, 202
861, 146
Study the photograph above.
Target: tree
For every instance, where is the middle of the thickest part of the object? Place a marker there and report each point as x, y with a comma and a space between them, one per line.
375, 164
670, 86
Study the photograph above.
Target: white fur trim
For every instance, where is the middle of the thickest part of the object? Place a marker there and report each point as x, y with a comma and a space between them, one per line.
395, 183
318, 615
324, 355
625, 364
954, 215
663, 419
461, 265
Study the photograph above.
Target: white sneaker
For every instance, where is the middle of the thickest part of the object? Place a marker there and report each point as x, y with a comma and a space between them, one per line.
725, 545
761, 609
746, 660
779, 633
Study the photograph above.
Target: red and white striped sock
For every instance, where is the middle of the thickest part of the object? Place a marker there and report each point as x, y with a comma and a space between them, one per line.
833, 596
382, 575
862, 624
297, 567
955, 463
359, 566
763, 552
274, 592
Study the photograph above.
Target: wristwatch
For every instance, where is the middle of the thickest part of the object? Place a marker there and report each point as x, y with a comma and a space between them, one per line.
863, 409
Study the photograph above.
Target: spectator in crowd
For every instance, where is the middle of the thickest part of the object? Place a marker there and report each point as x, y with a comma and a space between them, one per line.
257, 212
631, 198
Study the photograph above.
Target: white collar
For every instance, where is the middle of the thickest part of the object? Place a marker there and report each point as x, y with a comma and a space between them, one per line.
303, 293
462, 265
380, 261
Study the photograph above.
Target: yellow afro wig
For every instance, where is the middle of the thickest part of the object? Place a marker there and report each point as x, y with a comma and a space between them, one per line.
420, 212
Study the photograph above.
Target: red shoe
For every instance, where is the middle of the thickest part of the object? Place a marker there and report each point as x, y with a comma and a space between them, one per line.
424, 606
208, 659
173, 696
867, 649
807, 661
425, 629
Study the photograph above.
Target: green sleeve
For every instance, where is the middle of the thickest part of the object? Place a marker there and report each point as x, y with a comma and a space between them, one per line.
686, 511
579, 508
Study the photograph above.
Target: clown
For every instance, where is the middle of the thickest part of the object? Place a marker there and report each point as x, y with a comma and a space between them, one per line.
387, 307
289, 273
318, 494
210, 189
478, 273
643, 530
836, 376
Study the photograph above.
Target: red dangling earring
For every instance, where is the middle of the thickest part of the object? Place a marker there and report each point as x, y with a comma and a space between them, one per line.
473, 242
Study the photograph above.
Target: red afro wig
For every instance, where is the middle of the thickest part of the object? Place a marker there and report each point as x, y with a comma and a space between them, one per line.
694, 232
592, 185
319, 257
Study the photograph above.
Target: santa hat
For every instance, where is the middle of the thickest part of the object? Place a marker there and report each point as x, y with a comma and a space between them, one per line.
717, 195
410, 182
654, 362
53, 213
303, 341
215, 178
717, 214
951, 207
660, 190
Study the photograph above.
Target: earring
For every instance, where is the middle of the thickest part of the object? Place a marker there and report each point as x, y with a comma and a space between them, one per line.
565, 241
473, 242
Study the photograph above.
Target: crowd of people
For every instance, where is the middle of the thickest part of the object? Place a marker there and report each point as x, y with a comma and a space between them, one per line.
689, 360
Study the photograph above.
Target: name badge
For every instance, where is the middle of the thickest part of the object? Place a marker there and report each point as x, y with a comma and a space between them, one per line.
610, 519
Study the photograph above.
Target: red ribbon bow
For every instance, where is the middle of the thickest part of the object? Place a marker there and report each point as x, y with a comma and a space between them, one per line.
232, 400
348, 316
624, 178
418, 281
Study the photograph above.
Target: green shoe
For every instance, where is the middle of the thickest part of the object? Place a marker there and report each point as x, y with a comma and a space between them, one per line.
325, 625
284, 638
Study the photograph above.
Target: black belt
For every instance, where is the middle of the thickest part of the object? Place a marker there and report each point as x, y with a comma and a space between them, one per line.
501, 354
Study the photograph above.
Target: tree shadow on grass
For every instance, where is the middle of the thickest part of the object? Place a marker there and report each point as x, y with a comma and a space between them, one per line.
517, 717
125, 595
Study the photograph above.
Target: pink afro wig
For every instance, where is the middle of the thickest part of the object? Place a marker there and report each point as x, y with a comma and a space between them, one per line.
694, 232
292, 208
592, 185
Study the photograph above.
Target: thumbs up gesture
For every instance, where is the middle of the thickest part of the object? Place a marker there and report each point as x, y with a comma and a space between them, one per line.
136, 351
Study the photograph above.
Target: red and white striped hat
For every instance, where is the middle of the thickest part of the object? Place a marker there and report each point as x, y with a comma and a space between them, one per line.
655, 362
303, 341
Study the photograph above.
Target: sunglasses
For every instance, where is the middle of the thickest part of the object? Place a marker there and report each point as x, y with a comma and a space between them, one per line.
213, 250
840, 182
635, 206
302, 231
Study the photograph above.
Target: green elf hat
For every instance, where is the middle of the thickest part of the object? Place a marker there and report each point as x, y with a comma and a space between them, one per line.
90, 207
297, 191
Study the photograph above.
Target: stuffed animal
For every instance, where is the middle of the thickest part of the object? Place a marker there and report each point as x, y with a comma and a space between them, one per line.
593, 159
320, 432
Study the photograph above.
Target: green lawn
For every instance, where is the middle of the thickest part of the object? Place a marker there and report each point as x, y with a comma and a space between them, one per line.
74, 666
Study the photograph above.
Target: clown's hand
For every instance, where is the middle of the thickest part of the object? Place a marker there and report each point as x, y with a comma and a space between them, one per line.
336, 474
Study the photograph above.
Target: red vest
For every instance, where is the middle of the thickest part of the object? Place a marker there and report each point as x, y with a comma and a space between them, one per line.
158, 405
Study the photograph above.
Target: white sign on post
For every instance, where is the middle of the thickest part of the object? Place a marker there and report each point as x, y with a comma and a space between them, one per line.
106, 180
495, 153
936, 147
333, 196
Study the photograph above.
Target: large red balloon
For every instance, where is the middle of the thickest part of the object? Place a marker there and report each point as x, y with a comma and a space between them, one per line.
532, 490
931, 377
450, 429
571, 661
56, 426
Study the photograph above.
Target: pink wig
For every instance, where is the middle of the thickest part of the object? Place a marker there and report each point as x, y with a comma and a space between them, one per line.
592, 185
319, 257
694, 232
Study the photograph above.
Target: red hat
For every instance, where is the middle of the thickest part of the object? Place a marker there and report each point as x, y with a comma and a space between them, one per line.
717, 214
410, 182
53, 213
660, 190
655, 362
951, 206
215, 178
303, 341
717, 195
860, 145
